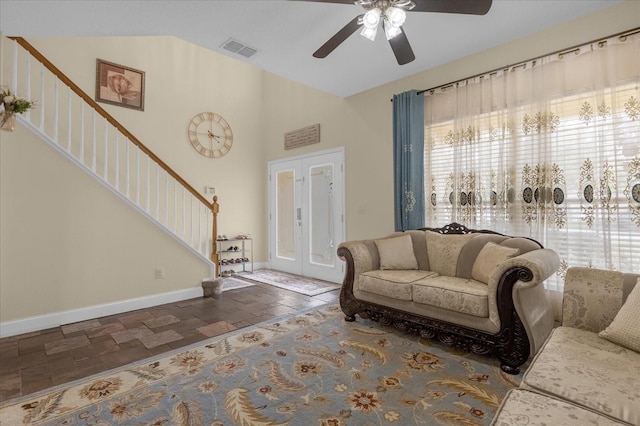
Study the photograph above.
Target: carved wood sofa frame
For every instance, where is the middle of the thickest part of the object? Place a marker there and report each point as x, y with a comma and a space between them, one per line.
510, 344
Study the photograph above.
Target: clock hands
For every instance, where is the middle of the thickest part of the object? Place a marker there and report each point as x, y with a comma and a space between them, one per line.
211, 135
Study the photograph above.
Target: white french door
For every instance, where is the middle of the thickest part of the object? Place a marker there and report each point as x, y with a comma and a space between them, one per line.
306, 215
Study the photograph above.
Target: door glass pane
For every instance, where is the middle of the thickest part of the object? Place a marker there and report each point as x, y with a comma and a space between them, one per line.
321, 239
285, 212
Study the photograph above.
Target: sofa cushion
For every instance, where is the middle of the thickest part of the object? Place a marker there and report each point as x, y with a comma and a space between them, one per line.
396, 253
625, 328
589, 290
443, 251
456, 294
471, 249
578, 366
522, 407
488, 260
394, 284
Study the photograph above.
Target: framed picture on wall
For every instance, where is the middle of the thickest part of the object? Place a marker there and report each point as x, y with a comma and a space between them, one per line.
119, 85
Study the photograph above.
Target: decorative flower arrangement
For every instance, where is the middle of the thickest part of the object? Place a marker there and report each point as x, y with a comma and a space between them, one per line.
13, 105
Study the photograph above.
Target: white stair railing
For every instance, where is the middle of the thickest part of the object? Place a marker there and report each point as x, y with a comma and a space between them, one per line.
80, 129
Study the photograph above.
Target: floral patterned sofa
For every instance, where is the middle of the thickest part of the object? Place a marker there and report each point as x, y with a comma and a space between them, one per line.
588, 371
479, 291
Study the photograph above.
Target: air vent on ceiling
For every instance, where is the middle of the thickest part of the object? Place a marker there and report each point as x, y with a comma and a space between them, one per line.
239, 48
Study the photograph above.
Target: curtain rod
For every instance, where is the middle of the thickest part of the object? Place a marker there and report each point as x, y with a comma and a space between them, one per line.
561, 51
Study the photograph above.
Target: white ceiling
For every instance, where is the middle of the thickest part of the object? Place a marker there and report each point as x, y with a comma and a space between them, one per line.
286, 33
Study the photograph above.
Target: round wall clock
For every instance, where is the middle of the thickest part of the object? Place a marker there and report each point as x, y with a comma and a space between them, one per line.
210, 134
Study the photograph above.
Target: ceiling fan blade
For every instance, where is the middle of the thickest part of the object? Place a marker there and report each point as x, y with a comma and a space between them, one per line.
401, 48
338, 38
468, 7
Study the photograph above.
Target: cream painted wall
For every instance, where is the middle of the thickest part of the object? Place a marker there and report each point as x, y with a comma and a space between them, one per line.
182, 80
363, 122
68, 243
55, 249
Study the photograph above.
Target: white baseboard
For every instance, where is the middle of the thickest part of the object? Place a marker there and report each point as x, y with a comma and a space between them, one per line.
42, 322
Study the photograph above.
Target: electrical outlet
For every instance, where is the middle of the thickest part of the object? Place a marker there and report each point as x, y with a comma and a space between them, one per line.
160, 272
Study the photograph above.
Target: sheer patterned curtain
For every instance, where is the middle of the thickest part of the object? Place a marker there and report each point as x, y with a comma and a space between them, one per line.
408, 160
548, 149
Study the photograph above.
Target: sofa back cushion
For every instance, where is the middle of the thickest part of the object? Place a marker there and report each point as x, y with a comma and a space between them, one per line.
419, 247
444, 250
471, 250
396, 253
488, 260
625, 328
591, 298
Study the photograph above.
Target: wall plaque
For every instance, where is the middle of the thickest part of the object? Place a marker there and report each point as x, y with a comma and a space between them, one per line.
302, 137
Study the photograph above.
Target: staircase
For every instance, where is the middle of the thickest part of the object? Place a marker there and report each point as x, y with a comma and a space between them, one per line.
77, 127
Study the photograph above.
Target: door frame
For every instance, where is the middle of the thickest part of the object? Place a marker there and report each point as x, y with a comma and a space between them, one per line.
271, 196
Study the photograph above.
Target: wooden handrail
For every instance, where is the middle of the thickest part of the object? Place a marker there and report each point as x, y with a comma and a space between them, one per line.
78, 91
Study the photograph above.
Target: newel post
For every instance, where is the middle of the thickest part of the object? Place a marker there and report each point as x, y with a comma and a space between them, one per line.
215, 208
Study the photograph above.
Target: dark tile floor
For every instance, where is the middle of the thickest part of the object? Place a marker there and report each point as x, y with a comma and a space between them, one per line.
35, 361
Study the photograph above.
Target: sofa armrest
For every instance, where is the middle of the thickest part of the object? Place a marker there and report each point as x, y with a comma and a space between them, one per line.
541, 264
592, 297
362, 254
359, 257
518, 282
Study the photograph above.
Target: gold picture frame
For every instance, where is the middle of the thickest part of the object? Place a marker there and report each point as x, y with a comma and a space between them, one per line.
119, 85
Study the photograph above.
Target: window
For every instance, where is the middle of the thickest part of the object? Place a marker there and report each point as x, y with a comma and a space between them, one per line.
549, 150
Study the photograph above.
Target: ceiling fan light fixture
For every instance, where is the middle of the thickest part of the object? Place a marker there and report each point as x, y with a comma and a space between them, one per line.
391, 31
370, 23
371, 19
393, 19
395, 16
369, 33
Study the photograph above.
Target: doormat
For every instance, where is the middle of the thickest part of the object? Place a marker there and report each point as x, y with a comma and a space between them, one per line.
299, 284
231, 283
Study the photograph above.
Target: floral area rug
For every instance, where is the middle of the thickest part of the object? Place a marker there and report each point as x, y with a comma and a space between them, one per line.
312, 368
297, 283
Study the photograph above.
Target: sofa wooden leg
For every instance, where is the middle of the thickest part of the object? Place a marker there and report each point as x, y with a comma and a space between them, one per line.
350, 318
510, 370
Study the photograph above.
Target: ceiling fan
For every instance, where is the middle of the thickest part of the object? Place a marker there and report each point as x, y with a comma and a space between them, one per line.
391, 14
